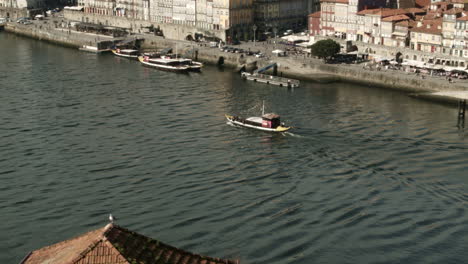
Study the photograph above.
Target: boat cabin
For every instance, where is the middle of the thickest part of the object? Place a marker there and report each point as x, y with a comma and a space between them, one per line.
271, 120
127, 51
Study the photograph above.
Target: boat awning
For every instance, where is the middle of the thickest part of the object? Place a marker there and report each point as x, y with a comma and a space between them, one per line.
166, 51
270, 116
128, 50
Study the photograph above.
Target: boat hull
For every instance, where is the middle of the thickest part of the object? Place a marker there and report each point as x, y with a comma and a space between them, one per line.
163, 67
268, 79
133, 57
242, 123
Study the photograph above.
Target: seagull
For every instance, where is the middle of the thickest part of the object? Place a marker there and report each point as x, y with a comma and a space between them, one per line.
111, 218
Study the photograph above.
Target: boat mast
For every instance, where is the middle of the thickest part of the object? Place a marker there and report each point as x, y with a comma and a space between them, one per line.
177, 42
263, 108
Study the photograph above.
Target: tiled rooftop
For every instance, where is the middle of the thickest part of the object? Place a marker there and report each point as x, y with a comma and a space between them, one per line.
116, 245
453, 11
429, 27
395, 18
422, 3
316, 14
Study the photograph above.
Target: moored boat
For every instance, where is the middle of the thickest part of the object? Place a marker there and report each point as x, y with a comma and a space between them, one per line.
127, 53
193, 65
164, 63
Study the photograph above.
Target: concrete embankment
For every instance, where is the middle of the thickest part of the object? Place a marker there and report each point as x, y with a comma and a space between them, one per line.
46, 33
293, 67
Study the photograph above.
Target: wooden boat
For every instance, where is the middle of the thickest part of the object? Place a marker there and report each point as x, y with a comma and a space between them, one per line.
267, 122
164, 63
127, 53
193, 65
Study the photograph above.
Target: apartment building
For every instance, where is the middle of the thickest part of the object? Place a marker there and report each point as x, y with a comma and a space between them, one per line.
427, 36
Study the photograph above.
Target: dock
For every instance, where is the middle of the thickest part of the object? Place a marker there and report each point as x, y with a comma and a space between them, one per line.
270, 79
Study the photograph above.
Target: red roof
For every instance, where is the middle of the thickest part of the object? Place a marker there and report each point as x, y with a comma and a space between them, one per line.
465, 18
115, 245
316, 14
395, 18
415, 10
335, 1
383, 12
403, 23
429, 27
422, 3
440, 3
454, 11
368, 11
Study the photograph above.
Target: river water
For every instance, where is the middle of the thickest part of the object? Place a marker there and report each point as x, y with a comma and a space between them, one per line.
369, 175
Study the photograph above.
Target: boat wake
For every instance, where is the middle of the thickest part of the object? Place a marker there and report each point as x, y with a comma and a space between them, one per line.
292, 134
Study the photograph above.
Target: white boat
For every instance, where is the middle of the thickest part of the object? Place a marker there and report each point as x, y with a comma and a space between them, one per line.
193, 65
170, 63
164, 63
270, 79
267, 122
127, 53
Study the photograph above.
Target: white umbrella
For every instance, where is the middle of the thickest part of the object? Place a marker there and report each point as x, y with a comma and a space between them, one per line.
277, 51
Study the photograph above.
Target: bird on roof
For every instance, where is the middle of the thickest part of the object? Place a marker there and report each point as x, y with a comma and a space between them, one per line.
112, 218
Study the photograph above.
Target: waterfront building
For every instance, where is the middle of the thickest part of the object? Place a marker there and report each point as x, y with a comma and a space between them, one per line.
391, 37
283, 15
426, 36
115, 245
460, 43
223, 19
266, 15
314, 23
340, 17
448, 28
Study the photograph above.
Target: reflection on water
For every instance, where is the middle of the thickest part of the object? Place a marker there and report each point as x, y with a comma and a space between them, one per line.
368, 175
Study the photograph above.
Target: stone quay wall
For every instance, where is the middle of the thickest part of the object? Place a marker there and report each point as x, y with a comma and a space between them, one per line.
293, 67
407, 53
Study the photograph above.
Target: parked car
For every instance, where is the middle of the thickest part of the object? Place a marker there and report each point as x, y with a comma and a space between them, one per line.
259, 55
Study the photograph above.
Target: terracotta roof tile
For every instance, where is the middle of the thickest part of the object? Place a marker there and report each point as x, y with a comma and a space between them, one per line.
422, 3
316, 14
465, 18
429, 27
453, 11
414, 10
368, 11
395, 18
335, 1
115, 245
404, 23
440, 3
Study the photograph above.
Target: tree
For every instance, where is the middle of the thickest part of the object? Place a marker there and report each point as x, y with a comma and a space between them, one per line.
325, 48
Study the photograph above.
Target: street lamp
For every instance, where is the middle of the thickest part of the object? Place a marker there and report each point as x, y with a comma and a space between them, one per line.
254, 27
275, 30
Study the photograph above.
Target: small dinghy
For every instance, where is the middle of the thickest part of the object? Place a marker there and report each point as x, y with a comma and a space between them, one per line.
267, 122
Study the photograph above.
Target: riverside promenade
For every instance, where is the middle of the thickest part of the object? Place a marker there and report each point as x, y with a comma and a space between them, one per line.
58, 31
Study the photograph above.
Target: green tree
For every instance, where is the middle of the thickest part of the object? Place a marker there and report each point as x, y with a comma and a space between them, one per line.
325, 48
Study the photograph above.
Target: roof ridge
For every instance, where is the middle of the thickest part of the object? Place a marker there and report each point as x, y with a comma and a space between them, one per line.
64, 241
102, 239
162, 244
